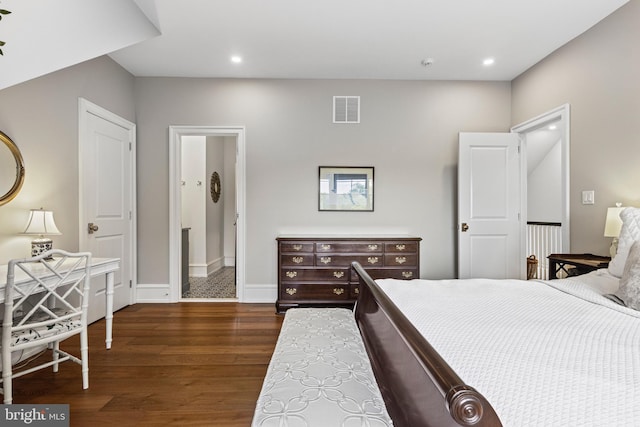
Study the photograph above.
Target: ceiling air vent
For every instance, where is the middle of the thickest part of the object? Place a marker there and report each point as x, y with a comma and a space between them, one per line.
346, 109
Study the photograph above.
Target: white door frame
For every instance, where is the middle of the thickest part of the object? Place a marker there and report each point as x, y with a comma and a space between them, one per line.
561, 113
85, 108
175, 201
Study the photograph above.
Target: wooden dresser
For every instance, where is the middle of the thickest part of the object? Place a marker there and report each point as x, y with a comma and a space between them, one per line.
316, 270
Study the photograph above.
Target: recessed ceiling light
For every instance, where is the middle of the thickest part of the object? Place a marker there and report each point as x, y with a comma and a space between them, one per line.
552, 127
488, 61
236, 59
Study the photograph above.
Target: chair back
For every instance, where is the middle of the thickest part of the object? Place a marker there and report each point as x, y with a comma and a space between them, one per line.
46, 297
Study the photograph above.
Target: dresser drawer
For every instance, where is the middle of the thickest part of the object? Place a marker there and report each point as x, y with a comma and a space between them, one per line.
399, 260
296, 247
325, 275
350, 247
388, 273
296, 260
330, 260
315, 292
401, 247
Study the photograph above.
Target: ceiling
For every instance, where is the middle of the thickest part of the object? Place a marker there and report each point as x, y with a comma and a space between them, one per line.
541, 141
333, 39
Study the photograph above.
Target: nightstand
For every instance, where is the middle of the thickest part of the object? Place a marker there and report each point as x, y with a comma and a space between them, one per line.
575, 264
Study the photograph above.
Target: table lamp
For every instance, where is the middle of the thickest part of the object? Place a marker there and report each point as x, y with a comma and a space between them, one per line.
41, 223
612, 227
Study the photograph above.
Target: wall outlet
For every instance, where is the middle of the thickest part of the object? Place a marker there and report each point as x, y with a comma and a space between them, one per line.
588, 197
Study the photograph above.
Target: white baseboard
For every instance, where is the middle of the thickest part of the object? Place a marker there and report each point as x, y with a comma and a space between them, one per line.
253, 293
260, 293
150, 293
198, 270
215, 265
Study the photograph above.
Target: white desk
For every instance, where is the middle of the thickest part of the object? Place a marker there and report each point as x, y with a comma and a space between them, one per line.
99, 266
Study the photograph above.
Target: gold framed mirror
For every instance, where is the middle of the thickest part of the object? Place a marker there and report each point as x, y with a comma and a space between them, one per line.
215, 187
11, 169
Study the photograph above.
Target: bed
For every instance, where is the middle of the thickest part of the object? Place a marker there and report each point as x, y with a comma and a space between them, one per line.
482, 352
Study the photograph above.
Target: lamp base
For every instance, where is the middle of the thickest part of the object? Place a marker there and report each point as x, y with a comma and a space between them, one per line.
613, 249
40, 246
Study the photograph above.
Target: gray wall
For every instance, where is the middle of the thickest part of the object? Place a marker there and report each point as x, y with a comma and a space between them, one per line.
228, 199
215, 211
408, 132
41, 116
598, 74
544, 190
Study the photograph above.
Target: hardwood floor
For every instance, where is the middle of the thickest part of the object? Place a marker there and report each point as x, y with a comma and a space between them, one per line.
185, 364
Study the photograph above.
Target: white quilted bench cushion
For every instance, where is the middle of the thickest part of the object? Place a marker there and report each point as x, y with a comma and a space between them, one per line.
320, 375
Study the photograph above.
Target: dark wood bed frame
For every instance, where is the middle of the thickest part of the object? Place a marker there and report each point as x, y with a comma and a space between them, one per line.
418, 386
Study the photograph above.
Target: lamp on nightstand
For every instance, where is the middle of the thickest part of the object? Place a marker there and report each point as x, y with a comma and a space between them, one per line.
612, 227
41, 223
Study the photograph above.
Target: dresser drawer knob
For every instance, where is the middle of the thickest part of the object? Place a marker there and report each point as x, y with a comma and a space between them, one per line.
400, 247
373, 247
291, 274
325, 247
401, 259
407, 274
297, 259
325, 259
291, 291
338, 291
372, 260
338, 274
297, 247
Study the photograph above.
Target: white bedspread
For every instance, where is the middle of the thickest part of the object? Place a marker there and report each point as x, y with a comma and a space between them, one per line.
544, 353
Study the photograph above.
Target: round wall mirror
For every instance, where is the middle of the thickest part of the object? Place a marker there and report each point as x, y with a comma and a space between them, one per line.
11, 169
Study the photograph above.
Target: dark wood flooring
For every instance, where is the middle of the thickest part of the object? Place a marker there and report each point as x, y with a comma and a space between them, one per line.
185, 364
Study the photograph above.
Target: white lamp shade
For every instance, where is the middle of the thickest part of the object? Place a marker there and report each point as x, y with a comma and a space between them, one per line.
41, 222
613, 223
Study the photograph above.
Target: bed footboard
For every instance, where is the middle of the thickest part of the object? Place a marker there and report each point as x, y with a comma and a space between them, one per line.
418, 386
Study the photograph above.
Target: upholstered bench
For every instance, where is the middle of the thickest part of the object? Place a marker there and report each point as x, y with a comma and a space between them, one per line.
320, 375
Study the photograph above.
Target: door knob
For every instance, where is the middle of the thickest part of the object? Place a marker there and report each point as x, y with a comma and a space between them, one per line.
464, 227
91, 227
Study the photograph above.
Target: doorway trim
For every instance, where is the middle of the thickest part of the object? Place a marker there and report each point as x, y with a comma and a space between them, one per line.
175, 201
563, 114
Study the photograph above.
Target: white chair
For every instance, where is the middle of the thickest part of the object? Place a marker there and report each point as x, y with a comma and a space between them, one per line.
52, 308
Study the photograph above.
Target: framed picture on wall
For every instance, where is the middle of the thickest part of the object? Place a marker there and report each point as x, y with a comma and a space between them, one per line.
345, 188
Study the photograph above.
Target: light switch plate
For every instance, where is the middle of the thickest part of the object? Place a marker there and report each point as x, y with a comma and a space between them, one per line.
588, 197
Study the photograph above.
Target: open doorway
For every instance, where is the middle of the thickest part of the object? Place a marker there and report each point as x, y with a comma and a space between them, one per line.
208, 220
546, 161
206, 212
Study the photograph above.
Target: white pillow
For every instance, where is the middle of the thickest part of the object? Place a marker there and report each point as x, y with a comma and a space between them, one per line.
629, 233
629, 291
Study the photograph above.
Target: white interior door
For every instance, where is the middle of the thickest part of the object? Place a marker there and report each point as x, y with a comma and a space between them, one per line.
106, 219
489, 204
